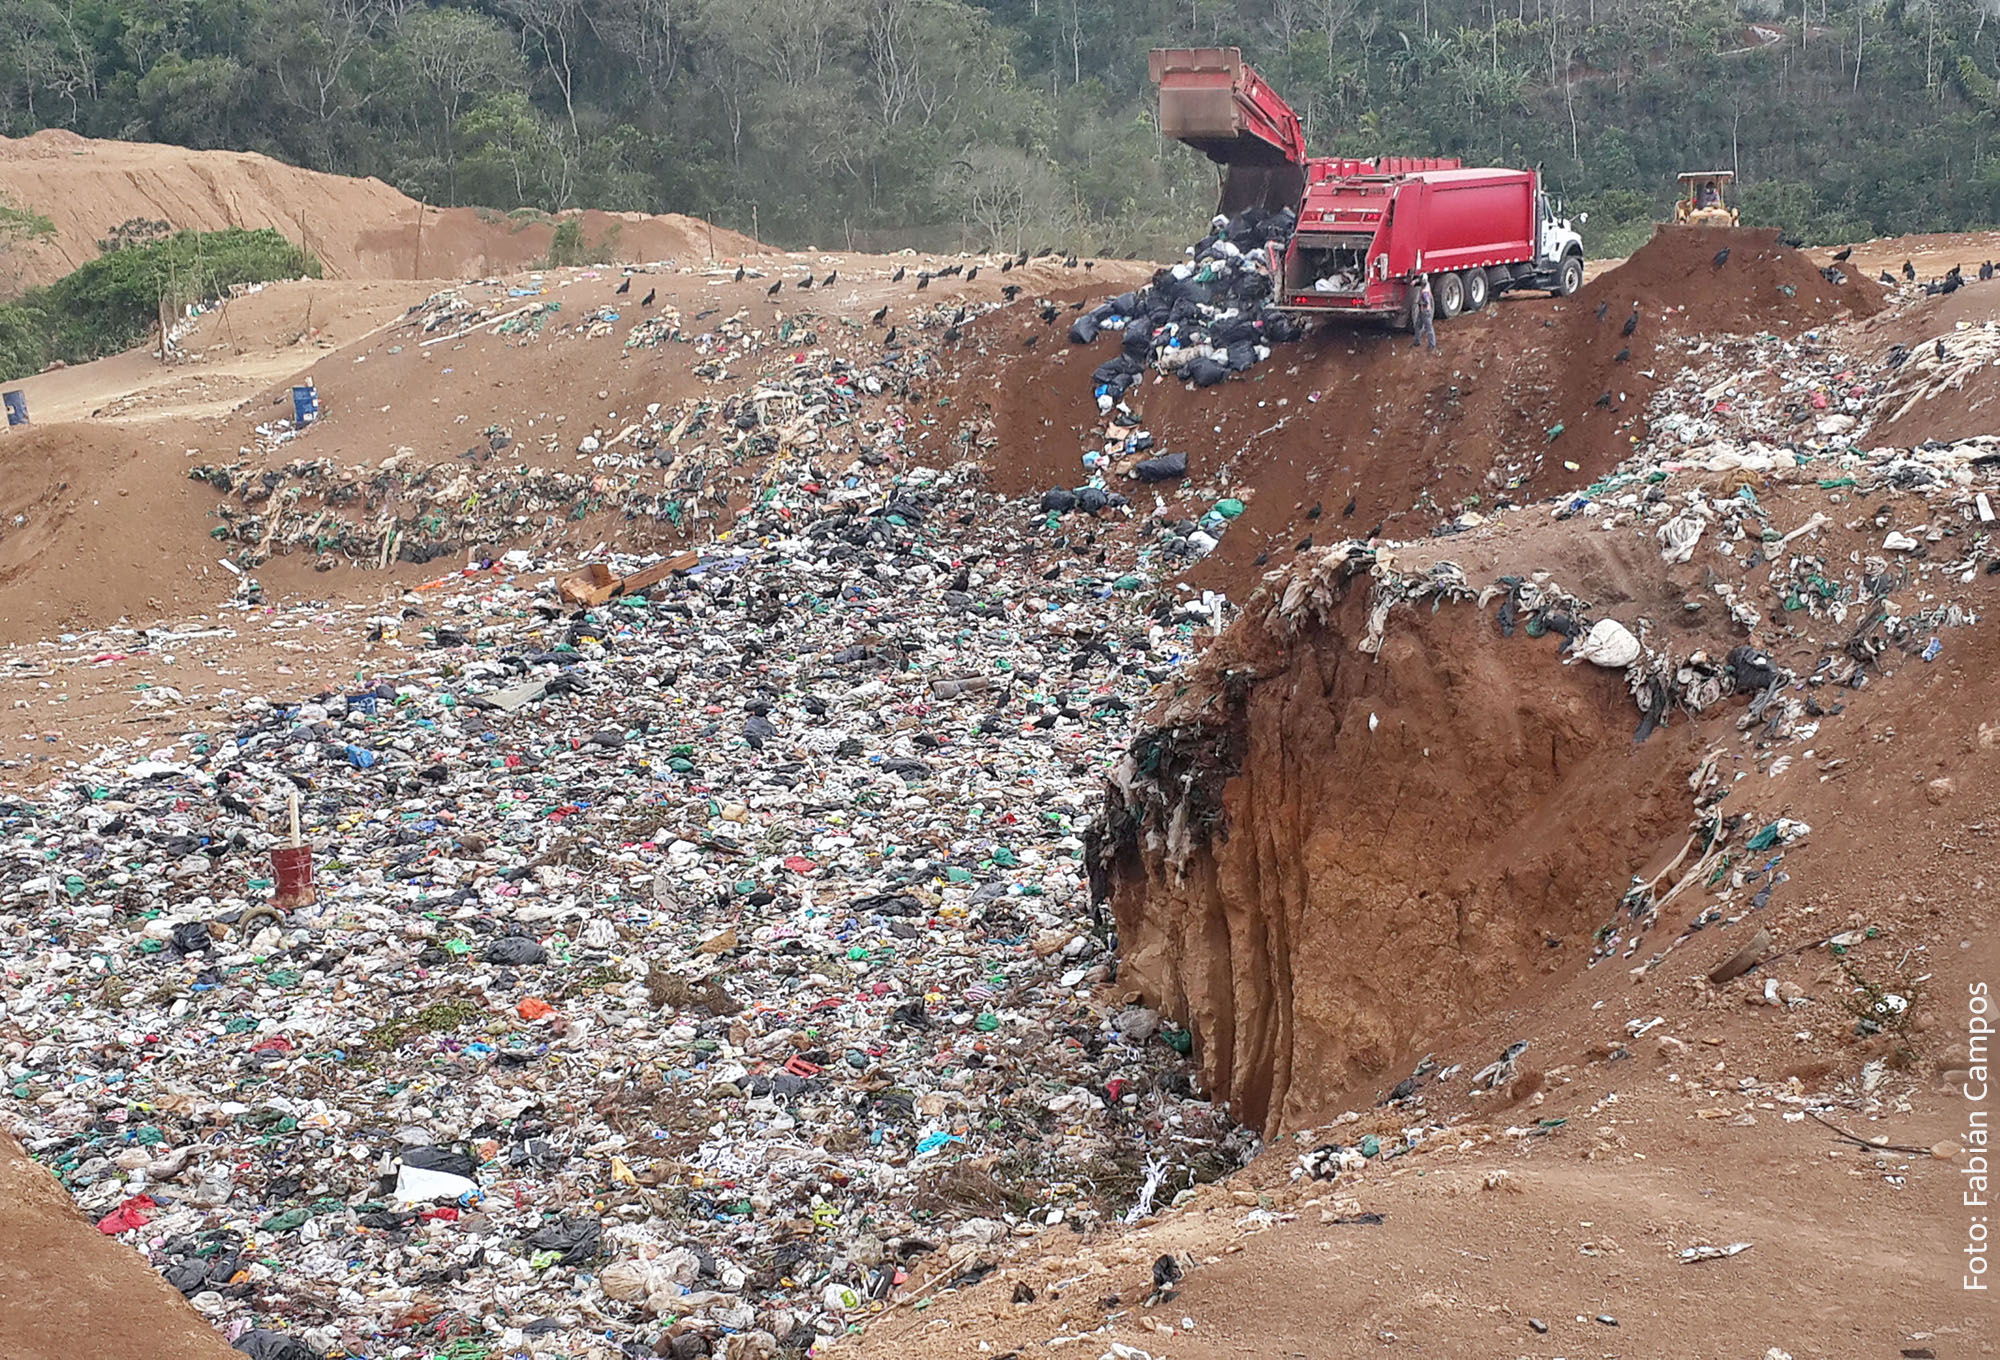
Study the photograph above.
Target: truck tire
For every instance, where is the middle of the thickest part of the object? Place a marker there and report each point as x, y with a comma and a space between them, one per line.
1477, 289
1569, 275
1450, 292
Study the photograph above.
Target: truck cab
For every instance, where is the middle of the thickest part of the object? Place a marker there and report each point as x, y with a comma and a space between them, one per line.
1557, 242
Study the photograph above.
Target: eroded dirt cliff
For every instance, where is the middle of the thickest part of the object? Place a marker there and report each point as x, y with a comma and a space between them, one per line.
1322, 856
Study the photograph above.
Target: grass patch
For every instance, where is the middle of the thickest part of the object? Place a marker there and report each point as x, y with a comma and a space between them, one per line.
437, 1018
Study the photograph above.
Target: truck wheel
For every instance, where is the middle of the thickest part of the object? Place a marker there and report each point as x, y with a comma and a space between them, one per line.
1450, 292
1569, 277
1477, 289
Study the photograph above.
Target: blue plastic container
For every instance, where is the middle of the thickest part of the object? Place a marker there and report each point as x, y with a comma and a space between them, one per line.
17, 407
305, 405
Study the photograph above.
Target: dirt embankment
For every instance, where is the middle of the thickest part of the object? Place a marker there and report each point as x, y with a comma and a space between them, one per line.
1353, 432
1399, 842
98, 524
67, 1290
359, 228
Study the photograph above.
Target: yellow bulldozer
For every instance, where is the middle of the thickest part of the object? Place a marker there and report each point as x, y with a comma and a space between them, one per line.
1704, 199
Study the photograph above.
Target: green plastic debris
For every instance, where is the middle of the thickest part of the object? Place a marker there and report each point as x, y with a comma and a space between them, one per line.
1229, 507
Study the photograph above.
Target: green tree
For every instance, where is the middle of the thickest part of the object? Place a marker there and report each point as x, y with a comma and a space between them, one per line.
459, 56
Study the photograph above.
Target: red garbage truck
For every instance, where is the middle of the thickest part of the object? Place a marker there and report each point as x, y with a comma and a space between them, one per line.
1366, 230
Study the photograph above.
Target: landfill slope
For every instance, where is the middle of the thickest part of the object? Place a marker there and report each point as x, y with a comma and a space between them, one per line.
358, 228
405, 398
1353, 432
701, 965
67, 1290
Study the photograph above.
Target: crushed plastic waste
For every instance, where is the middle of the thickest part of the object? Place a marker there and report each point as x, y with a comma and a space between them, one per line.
705, 964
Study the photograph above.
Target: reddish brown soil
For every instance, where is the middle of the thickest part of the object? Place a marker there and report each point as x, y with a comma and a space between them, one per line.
1676, 271
99, 523
68, 1291
359, 228
1412, 838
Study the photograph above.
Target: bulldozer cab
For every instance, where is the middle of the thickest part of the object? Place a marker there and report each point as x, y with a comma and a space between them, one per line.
1704, 200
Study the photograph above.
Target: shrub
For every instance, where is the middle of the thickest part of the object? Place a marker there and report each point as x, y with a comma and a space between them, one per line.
112, 302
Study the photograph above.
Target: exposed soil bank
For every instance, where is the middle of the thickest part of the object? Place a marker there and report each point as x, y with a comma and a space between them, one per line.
1369, 850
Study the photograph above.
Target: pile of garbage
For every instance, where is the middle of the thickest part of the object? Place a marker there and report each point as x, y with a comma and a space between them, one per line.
706, 970
670, 469
1203, 319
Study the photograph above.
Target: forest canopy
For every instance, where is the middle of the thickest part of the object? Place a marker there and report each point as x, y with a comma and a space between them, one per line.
1023, 123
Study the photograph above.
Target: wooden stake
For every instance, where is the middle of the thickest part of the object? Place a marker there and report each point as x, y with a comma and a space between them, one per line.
295, 818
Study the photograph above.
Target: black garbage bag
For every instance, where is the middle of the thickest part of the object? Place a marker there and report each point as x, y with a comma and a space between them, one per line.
192, 937
515, 950
1751, 670
192, 1274
449, 1161
1112, 370
578, 1239
1083, 330
1138, 341
1226, 333
1057, 501
1162, 469
1242, 355
887, 904
1091, 499
261, 1343
1205, 372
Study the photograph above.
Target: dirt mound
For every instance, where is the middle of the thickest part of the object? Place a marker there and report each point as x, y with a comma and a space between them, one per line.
1763, 285
1933, 374
359, 228
67, 1289
98, 524
1349, 433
